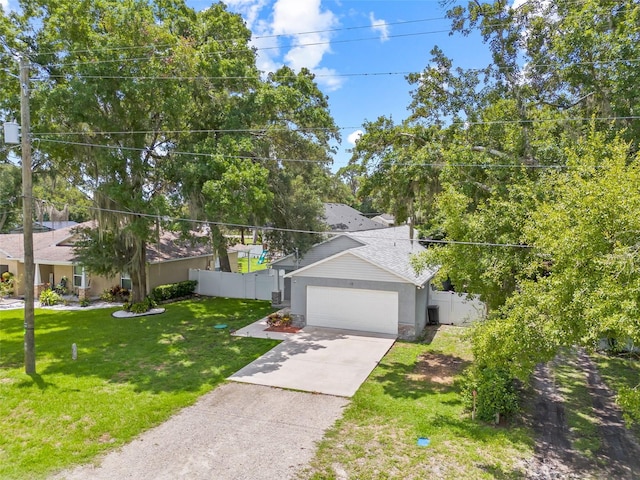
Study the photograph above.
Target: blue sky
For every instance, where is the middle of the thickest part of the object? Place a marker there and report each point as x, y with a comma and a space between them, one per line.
355, 37
353, 41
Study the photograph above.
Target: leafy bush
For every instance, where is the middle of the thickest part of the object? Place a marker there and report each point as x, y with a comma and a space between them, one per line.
170, 291
140, 307
7, 283
495, 389
115, 294
629, 400
278, 320
48, 298
85, 302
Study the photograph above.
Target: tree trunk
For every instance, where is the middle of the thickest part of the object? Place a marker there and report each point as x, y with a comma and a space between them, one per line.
220, 247
139, 273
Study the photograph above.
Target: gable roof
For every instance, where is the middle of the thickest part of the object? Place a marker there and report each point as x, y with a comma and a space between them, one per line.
389, 249
343, 218
56, 246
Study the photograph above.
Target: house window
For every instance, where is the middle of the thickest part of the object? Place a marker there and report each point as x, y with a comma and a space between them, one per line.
125, 281
77, 276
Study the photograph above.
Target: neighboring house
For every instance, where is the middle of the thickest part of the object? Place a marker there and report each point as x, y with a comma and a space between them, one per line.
360, 281
343, 218
48, 226
385, 219
168, 260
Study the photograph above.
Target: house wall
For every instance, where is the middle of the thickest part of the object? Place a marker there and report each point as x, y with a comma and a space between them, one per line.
98, 284
317, 252
18, 274
406, 296
174, 271
422, 301
351, 267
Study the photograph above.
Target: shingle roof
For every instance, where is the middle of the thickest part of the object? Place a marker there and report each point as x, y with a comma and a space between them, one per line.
390, 249
56, 246
343, 218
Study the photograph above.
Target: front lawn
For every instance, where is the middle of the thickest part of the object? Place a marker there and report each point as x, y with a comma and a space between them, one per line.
413, 394
130, 374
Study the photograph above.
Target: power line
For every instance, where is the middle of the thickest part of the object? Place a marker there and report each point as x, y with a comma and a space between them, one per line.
256, 37
299, 160
227, 52
177, 152
310, 129
204, 77
295, 230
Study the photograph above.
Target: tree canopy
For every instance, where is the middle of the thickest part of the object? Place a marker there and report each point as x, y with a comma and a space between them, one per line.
157, 111
527, 170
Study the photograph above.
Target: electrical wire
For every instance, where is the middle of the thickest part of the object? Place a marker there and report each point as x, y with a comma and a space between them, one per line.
310, 129
295, 230
298, 160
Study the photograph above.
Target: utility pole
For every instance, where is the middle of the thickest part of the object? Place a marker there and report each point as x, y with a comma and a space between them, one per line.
27, 222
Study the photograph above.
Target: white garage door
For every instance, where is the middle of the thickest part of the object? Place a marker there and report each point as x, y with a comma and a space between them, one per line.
353, 309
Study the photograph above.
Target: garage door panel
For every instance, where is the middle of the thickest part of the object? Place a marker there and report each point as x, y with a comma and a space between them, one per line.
353, 309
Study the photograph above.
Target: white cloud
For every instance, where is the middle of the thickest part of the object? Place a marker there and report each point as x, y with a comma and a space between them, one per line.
289, 20
5, 5
355, 136
291, 17
328, 78
379, 26
249, 9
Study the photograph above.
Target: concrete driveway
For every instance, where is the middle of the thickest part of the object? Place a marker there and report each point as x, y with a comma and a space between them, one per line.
319, 360
235, 432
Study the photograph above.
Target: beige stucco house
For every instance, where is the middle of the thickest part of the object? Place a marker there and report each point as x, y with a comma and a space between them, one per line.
168, 261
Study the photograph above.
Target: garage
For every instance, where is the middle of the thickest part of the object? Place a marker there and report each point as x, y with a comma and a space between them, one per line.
353, 309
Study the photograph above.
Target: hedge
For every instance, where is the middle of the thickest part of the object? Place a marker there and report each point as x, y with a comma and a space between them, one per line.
173, 290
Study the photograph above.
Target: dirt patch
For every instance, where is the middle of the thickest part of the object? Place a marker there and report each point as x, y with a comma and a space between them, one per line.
437, 368
555, 458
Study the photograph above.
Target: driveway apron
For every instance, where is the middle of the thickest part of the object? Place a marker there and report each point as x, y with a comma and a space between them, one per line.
237, 431
319, 360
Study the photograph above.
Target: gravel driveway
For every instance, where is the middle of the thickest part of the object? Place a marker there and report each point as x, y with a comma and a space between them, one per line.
237, 431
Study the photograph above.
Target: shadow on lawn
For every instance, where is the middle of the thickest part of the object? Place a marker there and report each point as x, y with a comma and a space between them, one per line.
433, 374
179, 350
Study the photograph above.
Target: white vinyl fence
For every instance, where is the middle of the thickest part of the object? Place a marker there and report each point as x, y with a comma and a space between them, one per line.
457, 308
255, 285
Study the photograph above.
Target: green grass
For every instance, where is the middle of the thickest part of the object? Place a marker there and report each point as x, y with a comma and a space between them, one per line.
619, 373
578, 404
255, 266
377, 436
130, 375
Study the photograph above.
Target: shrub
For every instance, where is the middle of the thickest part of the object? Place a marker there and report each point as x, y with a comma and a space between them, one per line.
629, 400
496, 392
48, 298
140, 307
278, 320
6, 284
85, 302
115, 294
170, 291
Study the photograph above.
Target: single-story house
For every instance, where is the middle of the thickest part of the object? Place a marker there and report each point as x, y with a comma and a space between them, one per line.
343, 218
385, 219
169, 259
360, 281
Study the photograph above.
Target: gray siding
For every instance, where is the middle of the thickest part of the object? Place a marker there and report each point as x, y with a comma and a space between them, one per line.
350, 267
317, 252
422, 301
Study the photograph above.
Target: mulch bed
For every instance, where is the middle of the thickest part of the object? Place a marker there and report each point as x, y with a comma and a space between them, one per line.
283, 329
